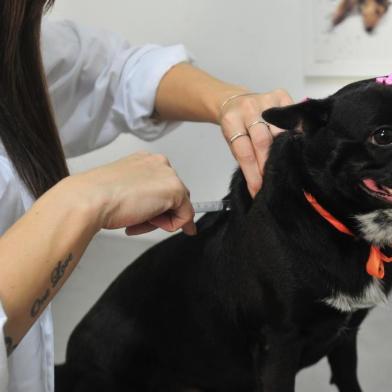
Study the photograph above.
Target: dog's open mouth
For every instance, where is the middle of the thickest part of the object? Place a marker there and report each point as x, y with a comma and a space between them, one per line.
380, 191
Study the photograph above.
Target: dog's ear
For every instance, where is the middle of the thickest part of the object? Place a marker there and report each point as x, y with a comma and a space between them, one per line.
304, 117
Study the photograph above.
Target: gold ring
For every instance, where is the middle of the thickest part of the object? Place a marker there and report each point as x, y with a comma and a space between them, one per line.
257, 122
262, 122
236, 136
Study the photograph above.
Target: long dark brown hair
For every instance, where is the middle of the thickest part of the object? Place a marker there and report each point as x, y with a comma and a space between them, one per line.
27, 127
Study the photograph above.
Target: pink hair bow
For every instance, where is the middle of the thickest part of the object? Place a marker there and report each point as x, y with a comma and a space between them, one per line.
385, 80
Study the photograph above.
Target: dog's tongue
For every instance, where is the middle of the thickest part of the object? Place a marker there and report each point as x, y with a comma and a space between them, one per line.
381, 189
371, 184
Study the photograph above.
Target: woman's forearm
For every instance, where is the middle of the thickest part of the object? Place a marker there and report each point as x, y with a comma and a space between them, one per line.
140, 192
38, 253
187, 93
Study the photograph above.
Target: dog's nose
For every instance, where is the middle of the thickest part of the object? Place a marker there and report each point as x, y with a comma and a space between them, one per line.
369, 29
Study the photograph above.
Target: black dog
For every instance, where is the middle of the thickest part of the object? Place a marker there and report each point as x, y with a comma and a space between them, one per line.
267, 288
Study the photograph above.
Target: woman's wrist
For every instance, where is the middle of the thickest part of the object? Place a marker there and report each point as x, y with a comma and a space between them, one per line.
222, 97
187, 93
78, 197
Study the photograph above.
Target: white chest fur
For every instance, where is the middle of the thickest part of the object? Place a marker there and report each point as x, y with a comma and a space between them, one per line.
375, 227
372, 295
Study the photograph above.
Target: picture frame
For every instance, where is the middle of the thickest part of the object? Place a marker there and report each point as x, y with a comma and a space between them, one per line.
345, 50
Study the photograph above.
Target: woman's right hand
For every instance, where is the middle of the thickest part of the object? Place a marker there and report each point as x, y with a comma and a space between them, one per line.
141, 192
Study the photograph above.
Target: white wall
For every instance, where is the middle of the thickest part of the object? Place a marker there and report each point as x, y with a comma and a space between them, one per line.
253, 42
256, 43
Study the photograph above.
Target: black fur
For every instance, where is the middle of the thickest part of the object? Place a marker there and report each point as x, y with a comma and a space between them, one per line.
240, 306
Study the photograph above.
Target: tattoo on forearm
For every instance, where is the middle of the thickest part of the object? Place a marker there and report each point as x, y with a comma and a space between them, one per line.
39, 303
55, 277
59, 271
9, 343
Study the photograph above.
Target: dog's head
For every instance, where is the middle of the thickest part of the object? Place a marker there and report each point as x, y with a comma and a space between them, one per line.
346, 143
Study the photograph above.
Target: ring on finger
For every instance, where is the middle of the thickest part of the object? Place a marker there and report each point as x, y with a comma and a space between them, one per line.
257, 122
267, 127
236, 136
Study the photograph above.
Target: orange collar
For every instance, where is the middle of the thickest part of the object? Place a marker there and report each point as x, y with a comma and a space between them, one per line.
376, 260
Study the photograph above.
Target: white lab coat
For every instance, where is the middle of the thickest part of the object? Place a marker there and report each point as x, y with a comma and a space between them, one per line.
100, 86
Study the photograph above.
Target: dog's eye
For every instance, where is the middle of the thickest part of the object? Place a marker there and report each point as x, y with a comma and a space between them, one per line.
382, 137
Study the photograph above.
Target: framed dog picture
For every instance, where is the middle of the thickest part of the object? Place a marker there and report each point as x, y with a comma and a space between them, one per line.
347, 37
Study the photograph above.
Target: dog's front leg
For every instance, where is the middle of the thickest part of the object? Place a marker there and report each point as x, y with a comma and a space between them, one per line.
280, 362
343, 358
343, 362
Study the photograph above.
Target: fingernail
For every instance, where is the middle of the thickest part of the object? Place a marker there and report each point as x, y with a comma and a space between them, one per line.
192, 231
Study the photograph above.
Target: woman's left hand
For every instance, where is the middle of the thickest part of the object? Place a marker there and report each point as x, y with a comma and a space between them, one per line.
187, 93
241, 116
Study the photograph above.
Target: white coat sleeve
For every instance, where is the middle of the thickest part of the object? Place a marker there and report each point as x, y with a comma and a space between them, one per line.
101, 86
3, 353
11, 209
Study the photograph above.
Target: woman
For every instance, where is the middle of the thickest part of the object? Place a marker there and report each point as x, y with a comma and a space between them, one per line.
99, 87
